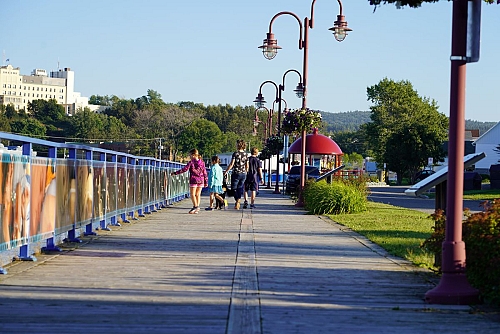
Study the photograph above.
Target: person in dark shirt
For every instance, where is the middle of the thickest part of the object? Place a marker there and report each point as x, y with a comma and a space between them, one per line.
239, 164
254, 177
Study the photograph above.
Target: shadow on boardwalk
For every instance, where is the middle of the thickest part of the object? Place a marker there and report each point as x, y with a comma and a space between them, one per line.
269, 270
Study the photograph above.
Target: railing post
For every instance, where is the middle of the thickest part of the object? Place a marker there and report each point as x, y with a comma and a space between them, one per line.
114, 162
72, 233
50, 244
89, 230
140, 212
124, 160
24, 251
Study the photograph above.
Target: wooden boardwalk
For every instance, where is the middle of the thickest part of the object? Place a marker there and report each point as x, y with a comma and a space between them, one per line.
268, 270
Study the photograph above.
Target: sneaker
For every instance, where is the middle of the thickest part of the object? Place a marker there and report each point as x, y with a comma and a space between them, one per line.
209, 209
252, 206
192, 210
245, 205
196, 210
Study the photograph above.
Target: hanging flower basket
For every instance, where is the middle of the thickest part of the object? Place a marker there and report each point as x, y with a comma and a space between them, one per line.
299, 120
274, 144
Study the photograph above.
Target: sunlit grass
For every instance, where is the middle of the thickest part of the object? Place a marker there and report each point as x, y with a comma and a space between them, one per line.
400, 231
475, 195
482, 195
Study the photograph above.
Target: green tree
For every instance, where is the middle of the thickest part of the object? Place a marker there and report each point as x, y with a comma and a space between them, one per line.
353, 160
88, 125
4, 122
29, 126
10, 111
203, 135
405, 129
100, 100
52, 115
351, 142
124, 110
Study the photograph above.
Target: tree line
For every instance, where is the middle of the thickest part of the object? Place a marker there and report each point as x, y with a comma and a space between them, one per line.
143, 126
402, 129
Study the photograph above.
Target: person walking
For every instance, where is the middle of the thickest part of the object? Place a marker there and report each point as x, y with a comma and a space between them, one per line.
254, 177
215, 178
239, 164
198, 178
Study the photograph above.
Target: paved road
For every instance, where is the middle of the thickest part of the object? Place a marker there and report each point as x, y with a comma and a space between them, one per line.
395, 195
273, 269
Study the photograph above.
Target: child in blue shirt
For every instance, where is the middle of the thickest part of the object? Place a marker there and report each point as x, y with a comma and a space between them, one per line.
215, 179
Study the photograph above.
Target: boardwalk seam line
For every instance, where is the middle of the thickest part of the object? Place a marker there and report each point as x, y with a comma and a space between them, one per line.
244, 308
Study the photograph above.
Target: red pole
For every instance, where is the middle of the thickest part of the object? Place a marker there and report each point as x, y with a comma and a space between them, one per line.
300, 201
454, 288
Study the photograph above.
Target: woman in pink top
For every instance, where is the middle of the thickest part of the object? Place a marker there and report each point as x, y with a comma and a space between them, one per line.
198, 178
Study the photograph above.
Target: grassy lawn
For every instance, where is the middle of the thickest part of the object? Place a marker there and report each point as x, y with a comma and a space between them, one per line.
400, 231
482, 194
476, 195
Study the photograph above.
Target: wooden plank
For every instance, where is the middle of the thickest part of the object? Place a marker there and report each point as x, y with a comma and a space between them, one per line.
244, 311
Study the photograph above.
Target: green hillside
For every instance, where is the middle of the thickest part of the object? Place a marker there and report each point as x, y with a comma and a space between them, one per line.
351, 121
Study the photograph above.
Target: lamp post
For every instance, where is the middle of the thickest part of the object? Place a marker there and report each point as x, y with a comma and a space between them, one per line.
453, 288
270, 49
267, 132
259, 102
299, 92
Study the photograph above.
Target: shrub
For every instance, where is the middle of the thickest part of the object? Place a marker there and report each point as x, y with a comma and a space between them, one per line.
481, 234
334, 198
485, 178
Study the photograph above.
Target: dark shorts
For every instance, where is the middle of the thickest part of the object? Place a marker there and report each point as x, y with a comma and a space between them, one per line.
251, 186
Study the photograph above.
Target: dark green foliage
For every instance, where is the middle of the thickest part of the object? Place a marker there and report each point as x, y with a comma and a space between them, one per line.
340, 196
481, 126
481, 234
274, 144
405, 129
265, 154
344, 121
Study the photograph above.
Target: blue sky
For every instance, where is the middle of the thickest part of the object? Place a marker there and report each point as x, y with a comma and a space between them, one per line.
206, 51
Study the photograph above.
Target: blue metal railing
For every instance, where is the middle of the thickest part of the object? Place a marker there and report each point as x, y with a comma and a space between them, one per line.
64, 191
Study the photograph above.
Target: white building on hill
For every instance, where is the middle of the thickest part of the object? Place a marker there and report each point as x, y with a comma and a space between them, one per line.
19, 90
487, 143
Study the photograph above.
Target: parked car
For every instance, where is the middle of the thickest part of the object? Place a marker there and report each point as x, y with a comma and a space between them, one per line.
420, 175
293, 179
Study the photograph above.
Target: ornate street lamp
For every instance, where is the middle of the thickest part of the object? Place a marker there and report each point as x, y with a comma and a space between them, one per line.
270, 49
267, 133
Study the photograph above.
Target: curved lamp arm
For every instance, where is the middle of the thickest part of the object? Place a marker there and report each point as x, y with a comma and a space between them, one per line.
270, 45
299, 90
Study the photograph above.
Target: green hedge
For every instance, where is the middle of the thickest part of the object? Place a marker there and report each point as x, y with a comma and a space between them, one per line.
481, 234
338, 197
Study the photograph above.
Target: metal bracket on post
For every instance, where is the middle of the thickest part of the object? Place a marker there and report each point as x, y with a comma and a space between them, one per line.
72, 236
51, 247
104, 226
24, 254
124, 218
114, 222
88, 230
